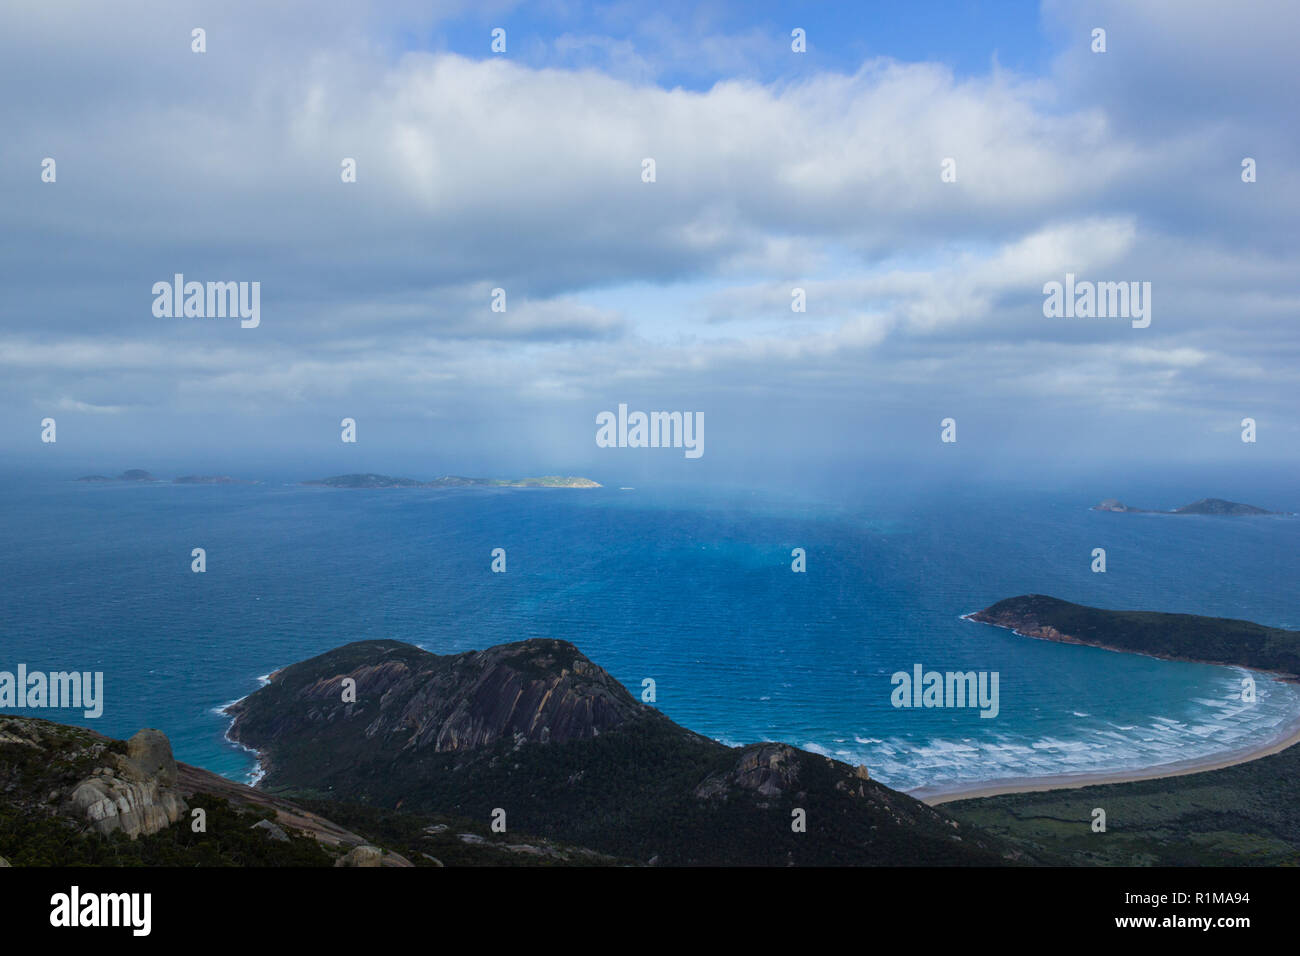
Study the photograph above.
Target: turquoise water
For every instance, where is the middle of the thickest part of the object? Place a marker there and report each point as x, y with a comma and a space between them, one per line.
691, 587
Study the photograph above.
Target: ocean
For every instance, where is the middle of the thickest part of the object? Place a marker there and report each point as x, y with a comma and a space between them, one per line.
690, 587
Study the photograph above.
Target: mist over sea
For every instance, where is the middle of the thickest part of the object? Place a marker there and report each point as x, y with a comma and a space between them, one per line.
689, 585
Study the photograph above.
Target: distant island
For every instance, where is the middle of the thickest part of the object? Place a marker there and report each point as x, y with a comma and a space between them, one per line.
452, 481
1206, 506
139, 474
1182, 637
363, 481
132, 474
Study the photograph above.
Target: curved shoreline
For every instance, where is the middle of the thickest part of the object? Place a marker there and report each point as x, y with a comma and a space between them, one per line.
255, 775
1073, 781
936, 795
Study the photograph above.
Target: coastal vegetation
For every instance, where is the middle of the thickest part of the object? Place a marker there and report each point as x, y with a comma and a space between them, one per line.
1244, 815
230, 839
538, 730
1210, 640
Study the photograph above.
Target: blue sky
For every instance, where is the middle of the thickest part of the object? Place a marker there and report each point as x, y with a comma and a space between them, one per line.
775, 171
967, 35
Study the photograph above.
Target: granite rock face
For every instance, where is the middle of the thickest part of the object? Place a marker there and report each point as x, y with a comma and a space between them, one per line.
74, 784
361, 856
537, 727
272, 831
538, 691
765, 769
136, 793
149, 755
772, 770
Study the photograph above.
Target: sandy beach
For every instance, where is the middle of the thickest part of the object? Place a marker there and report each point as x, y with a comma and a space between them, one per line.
992, 788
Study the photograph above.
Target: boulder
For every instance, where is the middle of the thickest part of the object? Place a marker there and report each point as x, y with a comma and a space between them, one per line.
271, 831
149, 753
766, 769
138, 795
361, 856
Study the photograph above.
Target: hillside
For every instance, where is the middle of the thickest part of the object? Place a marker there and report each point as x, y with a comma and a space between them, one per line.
72, 797
538, 730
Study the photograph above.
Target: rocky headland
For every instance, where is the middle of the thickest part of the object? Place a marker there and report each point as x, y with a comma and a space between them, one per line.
538, 731
1184, 637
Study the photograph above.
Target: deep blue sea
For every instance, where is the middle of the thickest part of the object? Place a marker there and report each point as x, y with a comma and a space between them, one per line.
689, 586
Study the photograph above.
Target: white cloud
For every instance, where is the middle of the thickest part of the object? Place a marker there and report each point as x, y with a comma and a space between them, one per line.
475, 174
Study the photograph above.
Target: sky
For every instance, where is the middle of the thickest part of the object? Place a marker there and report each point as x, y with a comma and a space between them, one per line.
523, 170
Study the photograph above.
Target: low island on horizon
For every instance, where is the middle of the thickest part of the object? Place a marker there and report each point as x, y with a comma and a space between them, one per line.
1205, 506
144, 477
366, 480
452, 481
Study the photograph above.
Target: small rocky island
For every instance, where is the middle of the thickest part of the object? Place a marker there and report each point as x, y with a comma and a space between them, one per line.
131, 474
452, 481
1206, 506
